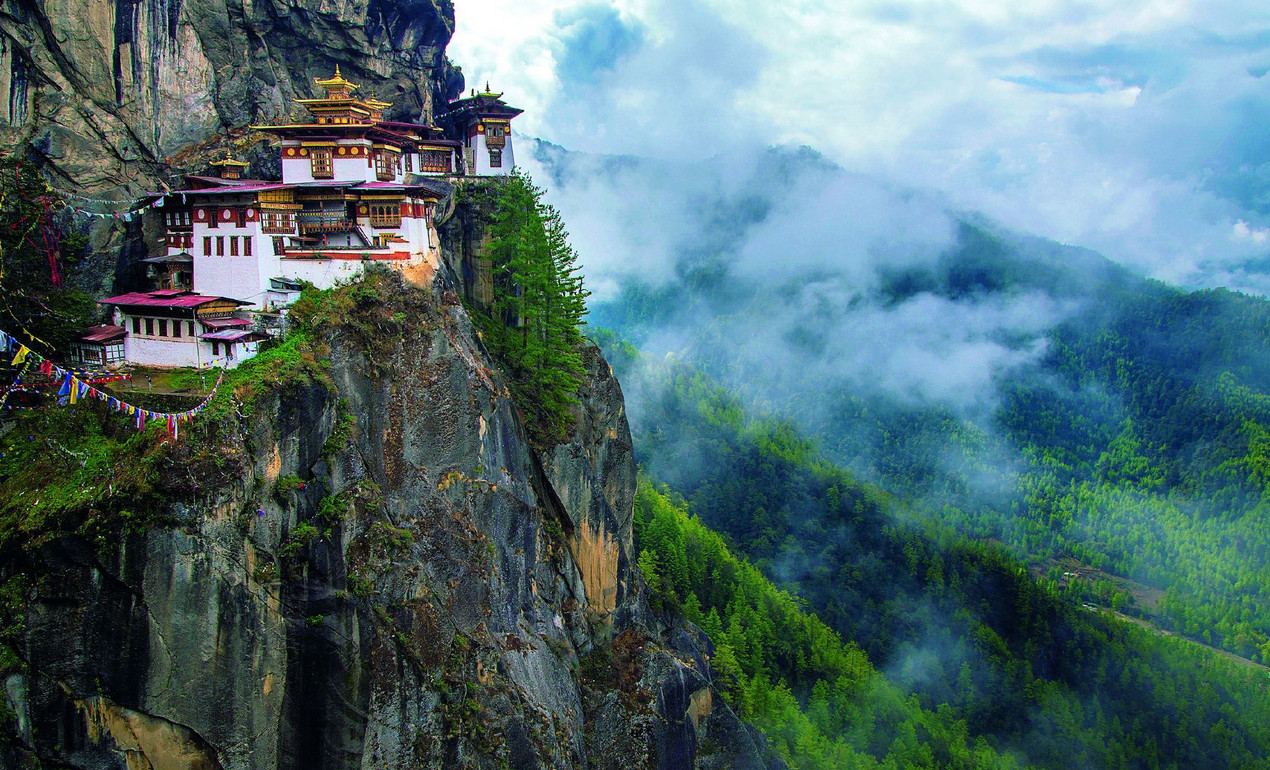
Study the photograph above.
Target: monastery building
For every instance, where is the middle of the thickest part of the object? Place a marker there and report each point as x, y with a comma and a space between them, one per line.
355, 189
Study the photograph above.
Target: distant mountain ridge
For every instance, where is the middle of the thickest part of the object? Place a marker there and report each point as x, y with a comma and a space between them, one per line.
1016, 388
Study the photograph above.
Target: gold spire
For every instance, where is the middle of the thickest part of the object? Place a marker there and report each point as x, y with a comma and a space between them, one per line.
229, 167
229, 160
375, 103
336, 83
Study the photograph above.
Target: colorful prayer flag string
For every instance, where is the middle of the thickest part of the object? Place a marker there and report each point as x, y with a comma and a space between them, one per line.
74, 389
135, 204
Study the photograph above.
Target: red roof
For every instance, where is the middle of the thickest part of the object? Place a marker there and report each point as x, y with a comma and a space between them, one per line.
104, 333
232, 335
166, 298
221, 323
223, 182
237, 190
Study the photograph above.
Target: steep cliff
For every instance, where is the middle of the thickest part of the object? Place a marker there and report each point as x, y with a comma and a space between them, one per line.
109, 93
365, 564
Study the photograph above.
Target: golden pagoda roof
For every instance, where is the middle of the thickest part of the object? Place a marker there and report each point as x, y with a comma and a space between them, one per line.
336, 81
229, 160
488, 92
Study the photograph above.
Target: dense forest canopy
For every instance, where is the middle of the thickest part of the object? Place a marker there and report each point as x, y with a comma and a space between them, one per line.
982, 464
950, 640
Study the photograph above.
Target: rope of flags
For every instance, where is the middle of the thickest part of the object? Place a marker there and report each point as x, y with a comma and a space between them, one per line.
133, 206
134, 211
126, 216
75, 389
17, 381
19, 386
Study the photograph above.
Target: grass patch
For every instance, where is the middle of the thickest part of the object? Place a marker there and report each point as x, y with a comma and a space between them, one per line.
71, 469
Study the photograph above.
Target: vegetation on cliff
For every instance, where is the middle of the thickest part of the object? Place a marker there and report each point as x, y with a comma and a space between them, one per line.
40, 307
533, 323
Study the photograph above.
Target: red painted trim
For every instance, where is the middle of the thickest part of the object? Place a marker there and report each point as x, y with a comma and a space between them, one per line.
355, 256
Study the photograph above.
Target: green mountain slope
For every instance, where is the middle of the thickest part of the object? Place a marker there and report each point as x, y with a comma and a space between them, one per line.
975, 654
1095, 422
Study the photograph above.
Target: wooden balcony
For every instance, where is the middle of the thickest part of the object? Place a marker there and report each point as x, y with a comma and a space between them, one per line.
324, 222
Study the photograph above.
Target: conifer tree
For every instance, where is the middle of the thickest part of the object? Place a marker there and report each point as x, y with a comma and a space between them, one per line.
538, 306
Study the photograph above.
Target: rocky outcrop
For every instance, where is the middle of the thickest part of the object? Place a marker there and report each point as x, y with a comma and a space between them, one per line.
110, 93
592, 480
371, 567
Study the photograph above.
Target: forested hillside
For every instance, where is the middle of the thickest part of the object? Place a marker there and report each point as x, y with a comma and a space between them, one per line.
1109, 430
974, 654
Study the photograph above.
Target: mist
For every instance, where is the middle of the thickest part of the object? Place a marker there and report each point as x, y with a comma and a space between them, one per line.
1132, 129
803, 287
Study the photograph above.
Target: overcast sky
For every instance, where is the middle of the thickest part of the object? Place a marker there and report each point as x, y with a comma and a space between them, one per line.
1140, 129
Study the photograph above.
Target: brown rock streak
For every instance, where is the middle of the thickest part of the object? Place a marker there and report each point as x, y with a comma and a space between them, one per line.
596, 554
148, 742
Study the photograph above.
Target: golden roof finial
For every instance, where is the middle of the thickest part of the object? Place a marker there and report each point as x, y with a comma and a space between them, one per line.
229, 160
336, 82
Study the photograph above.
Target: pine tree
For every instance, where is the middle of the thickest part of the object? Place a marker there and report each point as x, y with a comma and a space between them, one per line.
539, 303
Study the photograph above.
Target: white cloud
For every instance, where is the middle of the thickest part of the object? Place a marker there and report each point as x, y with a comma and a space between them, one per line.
1134, 128
1242, 231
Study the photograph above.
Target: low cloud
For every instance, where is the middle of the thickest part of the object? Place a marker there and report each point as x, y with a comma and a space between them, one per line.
1134, 130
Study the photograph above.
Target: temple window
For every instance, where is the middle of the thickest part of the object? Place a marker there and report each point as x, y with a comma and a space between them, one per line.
136, 326
496, 158
385, 215
220, 245
434, 161
163, 327
322, 166
279, 221
385, 165
246, 246
233, 246
150, 327
207, 245
495, 135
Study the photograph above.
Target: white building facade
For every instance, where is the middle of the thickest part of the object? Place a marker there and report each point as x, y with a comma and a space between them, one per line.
355, 189
170, 328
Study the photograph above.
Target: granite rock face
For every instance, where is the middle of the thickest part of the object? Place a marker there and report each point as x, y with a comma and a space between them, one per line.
111, 93
114, 99
436, 593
